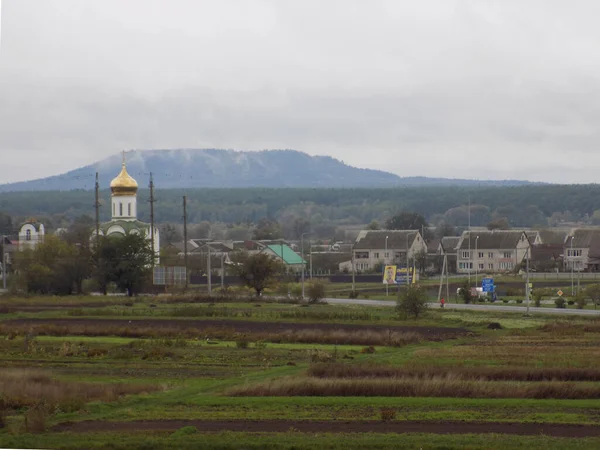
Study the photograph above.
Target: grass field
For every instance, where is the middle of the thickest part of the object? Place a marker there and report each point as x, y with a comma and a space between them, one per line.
160, 372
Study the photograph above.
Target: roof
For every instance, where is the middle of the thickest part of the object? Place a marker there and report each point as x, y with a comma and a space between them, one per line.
552, 237
585, 238
490, 239
433, 245
215, 246
449, 243
289, 255
375, 239
546, 252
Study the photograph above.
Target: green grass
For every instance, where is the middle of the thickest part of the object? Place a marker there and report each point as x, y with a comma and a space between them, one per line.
290, 440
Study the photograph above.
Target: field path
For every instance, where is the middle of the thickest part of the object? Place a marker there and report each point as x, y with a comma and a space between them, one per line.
306, 426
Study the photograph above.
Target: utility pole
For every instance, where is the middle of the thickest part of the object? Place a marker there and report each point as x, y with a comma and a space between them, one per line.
151, 201
208, 270
353, 271
97, 208
527, 280
302, 256
384, 264
185, 240
222, 270
3, 262
407, 276
470, 255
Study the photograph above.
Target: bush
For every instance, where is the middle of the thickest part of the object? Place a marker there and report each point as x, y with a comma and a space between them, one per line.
36, 418
560, 302
242, 343
505, 300
412, 301
580, 301
353, 294
465, 293
387, 414
520, 300
316, 292
571, 302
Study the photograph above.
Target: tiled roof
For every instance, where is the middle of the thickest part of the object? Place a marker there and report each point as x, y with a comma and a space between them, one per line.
494, 239
375, 239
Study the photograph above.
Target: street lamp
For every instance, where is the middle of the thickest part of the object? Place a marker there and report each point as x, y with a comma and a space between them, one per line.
302, 255
572, 264
384, 263
3, 262
477, 263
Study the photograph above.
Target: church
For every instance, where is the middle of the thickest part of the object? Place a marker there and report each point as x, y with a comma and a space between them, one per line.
124, 220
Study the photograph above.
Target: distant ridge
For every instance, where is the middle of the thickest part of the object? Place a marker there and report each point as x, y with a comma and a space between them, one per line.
213, 168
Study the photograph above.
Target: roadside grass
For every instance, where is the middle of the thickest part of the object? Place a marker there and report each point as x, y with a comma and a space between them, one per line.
193, 439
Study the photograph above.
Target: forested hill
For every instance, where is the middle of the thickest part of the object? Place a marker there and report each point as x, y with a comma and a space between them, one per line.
211, 168
520, 205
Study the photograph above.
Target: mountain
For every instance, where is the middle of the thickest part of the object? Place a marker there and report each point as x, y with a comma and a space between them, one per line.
198, 168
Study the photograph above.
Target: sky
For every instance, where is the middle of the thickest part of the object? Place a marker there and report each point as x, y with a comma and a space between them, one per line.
484, 89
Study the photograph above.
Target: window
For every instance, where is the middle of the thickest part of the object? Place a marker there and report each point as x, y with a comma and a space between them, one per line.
114, 209
465, 255
376, 255
481, 266
480, 254
387, 254
28, 235
361, 255
120, 209
129, 209
491, 266
573, 253
506, 265
490, 254
508, 254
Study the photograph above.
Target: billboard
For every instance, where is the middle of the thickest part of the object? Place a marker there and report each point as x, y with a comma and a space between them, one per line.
389, 275
397, 275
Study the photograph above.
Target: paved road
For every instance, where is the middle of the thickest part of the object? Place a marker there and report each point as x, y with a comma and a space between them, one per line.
475, 307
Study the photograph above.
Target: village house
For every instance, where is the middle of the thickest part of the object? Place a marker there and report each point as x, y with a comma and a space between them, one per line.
491, 250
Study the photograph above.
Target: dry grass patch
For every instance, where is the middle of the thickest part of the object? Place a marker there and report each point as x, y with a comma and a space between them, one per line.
340, 370
27, 388
300, 335
441, 386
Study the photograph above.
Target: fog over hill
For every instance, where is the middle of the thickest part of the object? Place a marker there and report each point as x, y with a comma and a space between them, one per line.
213, 168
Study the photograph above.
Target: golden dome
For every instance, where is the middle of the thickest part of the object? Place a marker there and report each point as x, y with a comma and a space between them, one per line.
123, 184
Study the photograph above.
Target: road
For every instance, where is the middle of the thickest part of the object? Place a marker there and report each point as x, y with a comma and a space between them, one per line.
473, 307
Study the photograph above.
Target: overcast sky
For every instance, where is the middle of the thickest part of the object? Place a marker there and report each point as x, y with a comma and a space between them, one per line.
466, 89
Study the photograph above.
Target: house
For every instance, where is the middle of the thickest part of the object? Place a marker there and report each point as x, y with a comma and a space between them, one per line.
31, 234
292, 260
547, 250
385, 247
447, 248
491, 250
581, 250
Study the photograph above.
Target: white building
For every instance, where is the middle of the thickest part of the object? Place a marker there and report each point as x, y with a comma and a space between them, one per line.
124, 211
31, 233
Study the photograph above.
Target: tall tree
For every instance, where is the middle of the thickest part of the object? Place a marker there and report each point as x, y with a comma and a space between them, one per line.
257, 271
267, 229
406, 221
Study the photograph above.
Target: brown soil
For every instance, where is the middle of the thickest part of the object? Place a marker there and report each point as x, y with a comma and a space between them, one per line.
243, 326
278, 426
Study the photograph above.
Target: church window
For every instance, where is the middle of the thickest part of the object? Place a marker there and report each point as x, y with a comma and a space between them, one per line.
114, 209
120, 209
129, 209
28, 235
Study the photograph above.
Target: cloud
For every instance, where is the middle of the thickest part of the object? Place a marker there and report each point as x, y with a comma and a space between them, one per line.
435, 88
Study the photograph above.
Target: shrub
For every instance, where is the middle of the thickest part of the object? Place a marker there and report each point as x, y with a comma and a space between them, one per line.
315, 291
519, 300
560, 302
353, 294
387, 414
465, 293
36, 418
412, 301
184, 431
242, 343
571, 302
505, 300
580, 301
